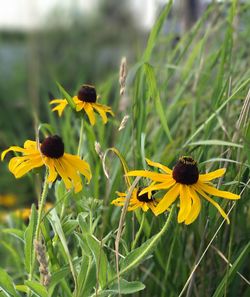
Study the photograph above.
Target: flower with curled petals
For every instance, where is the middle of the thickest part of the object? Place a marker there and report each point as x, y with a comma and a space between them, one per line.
145, 201
51, 154
185, 182
85, 101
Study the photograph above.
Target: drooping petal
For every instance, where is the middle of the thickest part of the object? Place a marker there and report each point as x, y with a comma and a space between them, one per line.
159, 165
160, 186
62, 103
215, 192
81, 165
196, 207
160, 177
168, 199
90, 113
62, 172
12, 148
52, 171
26, 166
145, 207
185, 204
72, 174
102, 113
221, 211
152, 207
212, 175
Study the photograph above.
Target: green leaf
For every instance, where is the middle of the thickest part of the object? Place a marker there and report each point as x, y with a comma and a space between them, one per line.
154, 93
232, 271
7, 285
215, 142
67, 96
57, 227
101, 261
156, 31
87, 277
29, 238
38, 289
19, 234
124, 288
136, 257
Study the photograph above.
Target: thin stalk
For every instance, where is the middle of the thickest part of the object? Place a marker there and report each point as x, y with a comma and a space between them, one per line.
80, 139
41, 204
137, 236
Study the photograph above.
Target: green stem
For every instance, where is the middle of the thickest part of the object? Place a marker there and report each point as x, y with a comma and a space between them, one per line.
80, 139
41, 204
147, 249
137, 236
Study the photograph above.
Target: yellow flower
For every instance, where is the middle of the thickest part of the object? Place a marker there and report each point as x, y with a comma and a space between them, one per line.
23, 213
8, 200
85, 101
184, 181
145, 202
51, 154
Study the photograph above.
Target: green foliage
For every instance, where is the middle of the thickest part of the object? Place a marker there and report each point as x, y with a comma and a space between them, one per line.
186, 94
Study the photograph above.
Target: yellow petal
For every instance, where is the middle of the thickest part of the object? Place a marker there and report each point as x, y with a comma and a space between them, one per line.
215, 192
168, 199
81, 165
221, 211
61, 171
161, 186
212, 175
72, 174
52, 171
185, 204
196, 207
159, 165
144, 207
102, 113
90, 113
149, 174
30, 144
54, 101
12, 148
26, 166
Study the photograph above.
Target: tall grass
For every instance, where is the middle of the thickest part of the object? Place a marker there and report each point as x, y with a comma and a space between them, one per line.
184, 98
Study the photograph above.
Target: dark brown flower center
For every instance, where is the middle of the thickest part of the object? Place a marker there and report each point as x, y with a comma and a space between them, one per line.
87, 94
186, 171
144, 197
53, 147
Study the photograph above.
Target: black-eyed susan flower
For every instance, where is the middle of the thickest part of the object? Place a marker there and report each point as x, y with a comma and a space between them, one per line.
85, 101
184, 181
145, 201
51, 154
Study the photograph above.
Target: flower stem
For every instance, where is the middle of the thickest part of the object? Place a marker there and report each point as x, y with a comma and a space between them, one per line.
41, 204
80, 139
137, 236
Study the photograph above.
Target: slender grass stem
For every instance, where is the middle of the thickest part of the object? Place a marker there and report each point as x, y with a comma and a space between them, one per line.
80, 138
41, 204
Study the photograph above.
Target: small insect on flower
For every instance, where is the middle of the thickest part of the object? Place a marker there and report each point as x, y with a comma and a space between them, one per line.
51, 154
145, 201
184, 181
85, 101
